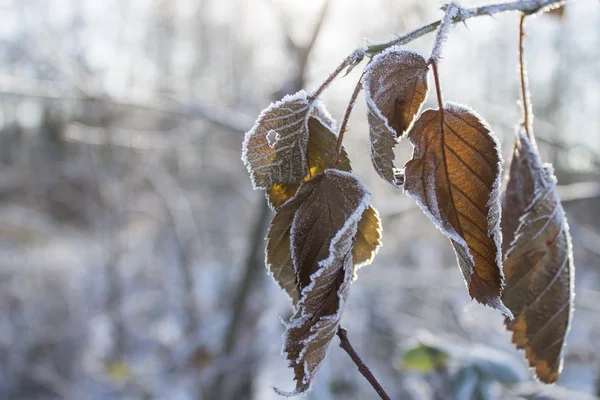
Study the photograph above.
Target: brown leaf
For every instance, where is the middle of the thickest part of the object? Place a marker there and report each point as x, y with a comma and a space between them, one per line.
320, 151
454, 176
521, 191
395, 85
278, 257
323, 232
368, 239
539, 263
274, 149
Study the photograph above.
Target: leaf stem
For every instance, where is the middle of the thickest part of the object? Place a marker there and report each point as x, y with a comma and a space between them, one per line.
362, 367
340, 138
438, 89
352, 60
525, 97
526, 6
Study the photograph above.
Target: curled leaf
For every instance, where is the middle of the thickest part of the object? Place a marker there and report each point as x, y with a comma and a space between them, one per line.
322, 235
274, 149
454, 175
539, 262
321, 149
395, 85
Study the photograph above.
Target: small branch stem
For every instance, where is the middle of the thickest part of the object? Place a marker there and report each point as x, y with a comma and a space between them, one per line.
353, 59
438, 89
525, 99
362, 367
526, 6
340, 138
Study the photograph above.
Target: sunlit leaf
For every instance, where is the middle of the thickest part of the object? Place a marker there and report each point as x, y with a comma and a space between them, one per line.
368, 238
321, 149
320, 152
322, 235
395, 85
539, 262
454, 175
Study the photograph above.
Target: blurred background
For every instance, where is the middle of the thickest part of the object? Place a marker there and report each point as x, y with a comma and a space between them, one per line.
131, 241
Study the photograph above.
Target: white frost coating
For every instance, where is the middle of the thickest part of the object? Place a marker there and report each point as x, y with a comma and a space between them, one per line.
264, 163
433, 212
451, 11
422, 189
351, 222
494, 202
323, 115
339, 260
395, 51
383, 136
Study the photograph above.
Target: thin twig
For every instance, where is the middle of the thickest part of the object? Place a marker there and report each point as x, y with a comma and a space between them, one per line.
525, 99
350, 61
362, 367
526, 6
340, 138
438, 89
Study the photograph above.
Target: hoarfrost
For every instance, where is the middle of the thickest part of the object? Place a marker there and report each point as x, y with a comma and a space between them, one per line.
395, 85
284, 160
317, 316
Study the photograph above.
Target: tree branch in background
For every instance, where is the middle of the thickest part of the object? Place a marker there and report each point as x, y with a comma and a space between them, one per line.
254, 264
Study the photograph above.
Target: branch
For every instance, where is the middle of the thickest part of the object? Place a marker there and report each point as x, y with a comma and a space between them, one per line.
525, 6
228, 119
364, 370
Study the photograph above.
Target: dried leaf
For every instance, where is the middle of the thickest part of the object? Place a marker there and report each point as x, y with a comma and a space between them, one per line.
323, 232
320, 151
395, 85
538, 264
454, 175
368, 238
278, 257
521, 190
274, 149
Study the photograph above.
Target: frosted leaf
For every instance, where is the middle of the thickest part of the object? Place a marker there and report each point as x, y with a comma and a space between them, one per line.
322, 236
538, 265
278, 258
454, 176
274, 150
395, 85
320, 151
523, 188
